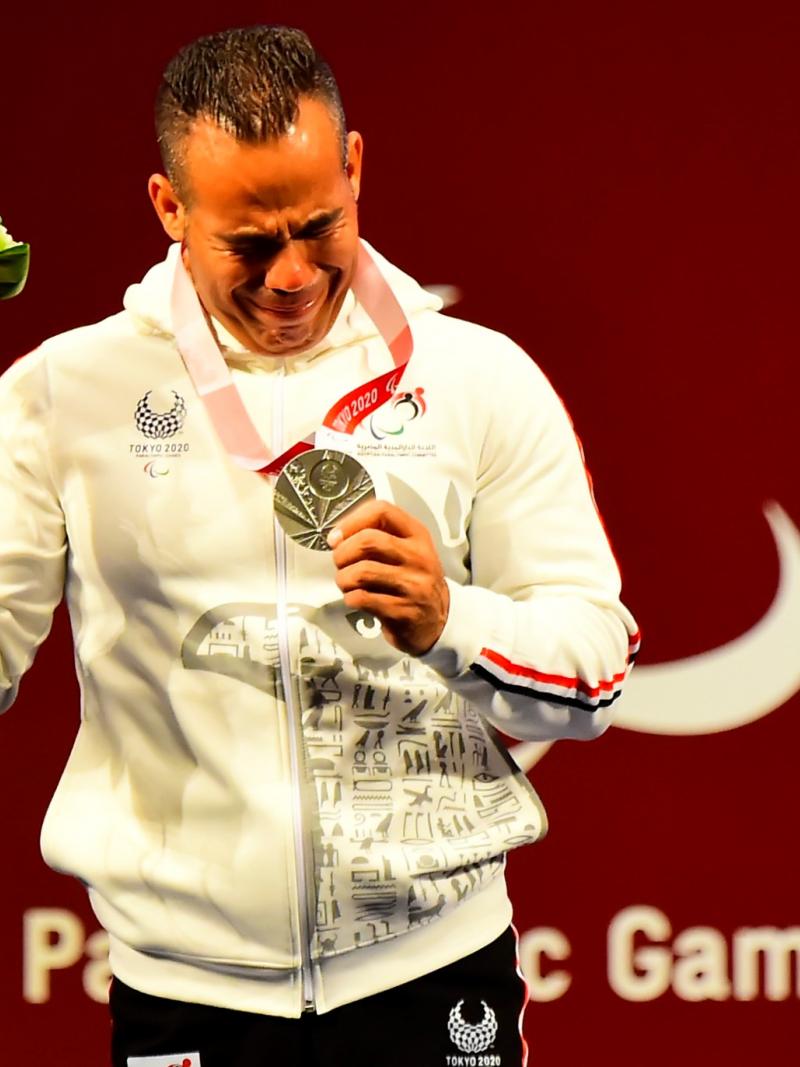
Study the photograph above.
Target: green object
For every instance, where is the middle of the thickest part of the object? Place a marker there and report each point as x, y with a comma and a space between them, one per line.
14, 262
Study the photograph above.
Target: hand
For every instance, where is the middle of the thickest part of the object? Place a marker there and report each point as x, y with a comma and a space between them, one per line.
388, 566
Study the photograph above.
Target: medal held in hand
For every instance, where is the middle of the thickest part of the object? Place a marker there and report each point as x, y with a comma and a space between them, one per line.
315, 486
315, 490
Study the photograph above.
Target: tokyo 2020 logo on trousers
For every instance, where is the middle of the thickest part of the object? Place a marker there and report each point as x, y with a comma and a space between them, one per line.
472, 1037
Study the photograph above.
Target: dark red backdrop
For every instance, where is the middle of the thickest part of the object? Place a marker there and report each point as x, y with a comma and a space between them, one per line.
614, 185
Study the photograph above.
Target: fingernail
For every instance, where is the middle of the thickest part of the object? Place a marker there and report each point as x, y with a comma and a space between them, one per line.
334, 537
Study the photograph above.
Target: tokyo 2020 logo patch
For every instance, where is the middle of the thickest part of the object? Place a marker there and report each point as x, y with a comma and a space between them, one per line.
160, 424
472, 1037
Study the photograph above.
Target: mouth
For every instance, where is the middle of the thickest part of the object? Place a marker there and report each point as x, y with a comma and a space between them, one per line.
288, 310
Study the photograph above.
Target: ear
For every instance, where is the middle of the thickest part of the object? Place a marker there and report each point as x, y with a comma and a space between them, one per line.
355, 154
168, 205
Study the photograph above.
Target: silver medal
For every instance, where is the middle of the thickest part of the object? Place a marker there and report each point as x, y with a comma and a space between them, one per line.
315, 490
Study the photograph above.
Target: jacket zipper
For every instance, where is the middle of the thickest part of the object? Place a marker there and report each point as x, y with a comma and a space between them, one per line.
296, 761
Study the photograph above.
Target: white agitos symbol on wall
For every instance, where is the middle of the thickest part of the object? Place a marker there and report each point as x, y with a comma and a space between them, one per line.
729, 686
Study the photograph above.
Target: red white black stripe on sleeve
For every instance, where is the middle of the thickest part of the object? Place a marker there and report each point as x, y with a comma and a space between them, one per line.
512, 677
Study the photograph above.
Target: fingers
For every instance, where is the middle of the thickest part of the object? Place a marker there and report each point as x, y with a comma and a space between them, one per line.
372, 577
407, 582
376, 515
386, 564
370, 544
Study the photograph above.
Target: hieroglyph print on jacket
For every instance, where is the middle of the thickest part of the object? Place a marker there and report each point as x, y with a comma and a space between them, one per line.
411, 801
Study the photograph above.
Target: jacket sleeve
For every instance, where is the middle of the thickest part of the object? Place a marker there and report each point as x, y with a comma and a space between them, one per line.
539, 641
32, 537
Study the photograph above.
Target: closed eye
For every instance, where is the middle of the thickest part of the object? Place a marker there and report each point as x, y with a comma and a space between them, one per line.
319, 227
255, 248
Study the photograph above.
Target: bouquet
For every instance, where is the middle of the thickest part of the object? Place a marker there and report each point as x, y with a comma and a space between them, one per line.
14, 260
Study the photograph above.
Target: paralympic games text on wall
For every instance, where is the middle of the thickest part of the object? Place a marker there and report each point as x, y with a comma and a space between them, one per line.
646, 959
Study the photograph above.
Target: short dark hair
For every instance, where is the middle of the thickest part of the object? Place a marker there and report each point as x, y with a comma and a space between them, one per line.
248, 82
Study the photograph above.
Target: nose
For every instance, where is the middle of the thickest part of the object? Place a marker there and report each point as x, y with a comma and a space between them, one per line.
289, 271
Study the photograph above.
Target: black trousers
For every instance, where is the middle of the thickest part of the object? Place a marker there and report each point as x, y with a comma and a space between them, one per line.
468, 1014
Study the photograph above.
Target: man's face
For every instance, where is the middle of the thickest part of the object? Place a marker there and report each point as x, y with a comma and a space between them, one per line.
269, 231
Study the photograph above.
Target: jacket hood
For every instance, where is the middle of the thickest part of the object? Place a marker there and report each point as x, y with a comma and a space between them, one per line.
148, 304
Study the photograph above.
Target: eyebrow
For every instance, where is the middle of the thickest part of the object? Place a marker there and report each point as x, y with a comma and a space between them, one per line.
318, 221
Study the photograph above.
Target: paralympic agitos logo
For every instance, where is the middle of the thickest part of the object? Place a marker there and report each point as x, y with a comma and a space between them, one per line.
392, 419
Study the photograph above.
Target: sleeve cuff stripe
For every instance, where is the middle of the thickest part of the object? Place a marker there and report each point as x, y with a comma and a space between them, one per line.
518, 674
541, 692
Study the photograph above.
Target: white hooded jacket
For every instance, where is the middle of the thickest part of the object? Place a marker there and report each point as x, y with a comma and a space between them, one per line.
274, 809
